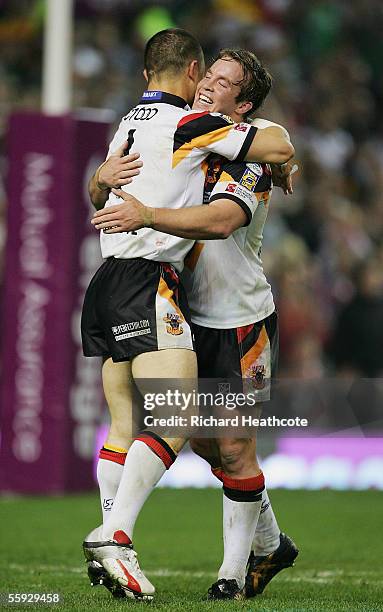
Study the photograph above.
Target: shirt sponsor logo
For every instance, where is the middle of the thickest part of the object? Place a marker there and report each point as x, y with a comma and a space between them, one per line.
174, 326
152, 95
244, 194
256, 168
249, 180
231, 187
132, 329
241, 127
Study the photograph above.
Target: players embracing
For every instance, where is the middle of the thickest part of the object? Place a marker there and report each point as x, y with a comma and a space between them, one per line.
229, 342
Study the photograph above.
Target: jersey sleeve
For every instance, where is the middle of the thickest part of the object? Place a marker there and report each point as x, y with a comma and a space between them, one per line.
246, 184
117, 140
212, 133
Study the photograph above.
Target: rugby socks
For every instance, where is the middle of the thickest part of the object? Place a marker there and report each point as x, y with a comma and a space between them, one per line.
109, 471
146, 462
242, 498
266, 538
159, 447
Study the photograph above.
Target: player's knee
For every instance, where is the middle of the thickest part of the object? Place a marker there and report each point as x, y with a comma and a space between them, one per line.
232, 454
236, 455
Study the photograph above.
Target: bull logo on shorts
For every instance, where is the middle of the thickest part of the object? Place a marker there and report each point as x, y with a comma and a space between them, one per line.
174, 326
257, 375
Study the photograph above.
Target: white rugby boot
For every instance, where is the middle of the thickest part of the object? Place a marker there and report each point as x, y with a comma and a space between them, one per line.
114, 564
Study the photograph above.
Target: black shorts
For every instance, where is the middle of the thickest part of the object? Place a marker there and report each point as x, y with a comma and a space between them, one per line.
243, 353
133, 306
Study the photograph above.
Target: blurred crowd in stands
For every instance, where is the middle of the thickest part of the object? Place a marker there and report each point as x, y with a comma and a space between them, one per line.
323, 247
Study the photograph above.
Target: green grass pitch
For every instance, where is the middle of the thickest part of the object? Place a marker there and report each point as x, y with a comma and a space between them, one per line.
178, 538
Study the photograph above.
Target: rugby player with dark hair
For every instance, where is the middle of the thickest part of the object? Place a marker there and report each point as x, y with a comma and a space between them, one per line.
134, 293
233, 314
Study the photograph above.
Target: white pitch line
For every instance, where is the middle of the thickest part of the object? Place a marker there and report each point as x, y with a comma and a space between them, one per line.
81, 569
323, 577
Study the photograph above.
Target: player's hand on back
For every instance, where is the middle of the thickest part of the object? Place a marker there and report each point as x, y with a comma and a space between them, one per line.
128, 216
282, 175
119, 169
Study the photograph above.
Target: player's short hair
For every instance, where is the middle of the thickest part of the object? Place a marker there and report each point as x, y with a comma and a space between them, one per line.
256, 82
170, 51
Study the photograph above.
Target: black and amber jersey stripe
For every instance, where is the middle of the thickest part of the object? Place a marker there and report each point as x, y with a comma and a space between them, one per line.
201, 130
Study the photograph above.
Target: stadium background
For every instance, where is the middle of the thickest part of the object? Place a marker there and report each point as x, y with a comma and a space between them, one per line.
323, 247
323, 252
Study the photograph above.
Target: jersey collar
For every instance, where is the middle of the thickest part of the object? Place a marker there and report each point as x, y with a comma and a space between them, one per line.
154, 96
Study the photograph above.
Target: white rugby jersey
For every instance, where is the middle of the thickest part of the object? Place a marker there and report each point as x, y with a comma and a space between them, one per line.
173, 142
224, 279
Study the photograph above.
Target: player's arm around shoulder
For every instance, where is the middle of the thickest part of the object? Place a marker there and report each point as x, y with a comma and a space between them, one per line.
281, 173
232, 204
215, 221
271, 143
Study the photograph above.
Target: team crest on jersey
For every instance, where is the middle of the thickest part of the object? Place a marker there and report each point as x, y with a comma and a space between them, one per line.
213, 171
257, 375
249, 180
174, 326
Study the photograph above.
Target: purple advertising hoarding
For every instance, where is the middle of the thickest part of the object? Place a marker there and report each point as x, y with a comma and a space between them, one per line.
86, 400
51, 398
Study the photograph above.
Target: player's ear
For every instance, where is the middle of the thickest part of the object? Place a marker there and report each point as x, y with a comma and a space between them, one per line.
194, 71
244, 107
145, 75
